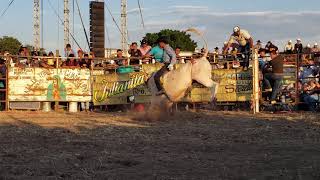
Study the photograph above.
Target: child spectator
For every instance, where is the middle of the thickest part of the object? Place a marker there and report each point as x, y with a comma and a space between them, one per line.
120, 59
85, 62
71, 62
68, 50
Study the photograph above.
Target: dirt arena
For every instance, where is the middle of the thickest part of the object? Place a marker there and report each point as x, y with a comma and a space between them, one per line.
190, 145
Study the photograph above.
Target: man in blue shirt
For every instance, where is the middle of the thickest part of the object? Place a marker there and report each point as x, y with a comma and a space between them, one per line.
169, 59
157, 53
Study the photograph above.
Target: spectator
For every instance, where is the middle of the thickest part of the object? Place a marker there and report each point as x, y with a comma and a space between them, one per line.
258, 46
135, 54
145, 48
44, 62
307, 72
71, 62
51, 61
3, 68
120, 59
316, 53
22, 60
262, 58
80, 54
179, 58
68, 50
85, 62
271, 47
298, 46
35, 62
157, 54
275, 75
289, 48
312, 96
245, 42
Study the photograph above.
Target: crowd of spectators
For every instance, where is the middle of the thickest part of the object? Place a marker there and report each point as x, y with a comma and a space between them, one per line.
308, 55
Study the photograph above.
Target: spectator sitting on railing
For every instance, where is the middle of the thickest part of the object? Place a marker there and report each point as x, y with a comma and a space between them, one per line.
71, 62
85, 62
144, 48
271, 47
245, 41
135, 54
312, 94
298, 46
121, 60
258, 46
289, 48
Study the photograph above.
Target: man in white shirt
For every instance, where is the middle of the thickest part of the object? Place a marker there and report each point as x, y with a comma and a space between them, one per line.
289, 48
245, 41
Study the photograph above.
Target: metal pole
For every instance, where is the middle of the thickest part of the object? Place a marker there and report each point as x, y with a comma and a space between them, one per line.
297, 99
124, 30
255, 69
66, 22
36, 25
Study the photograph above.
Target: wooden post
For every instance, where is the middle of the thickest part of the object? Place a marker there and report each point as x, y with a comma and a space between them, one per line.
56, 103
255, 71
297, 98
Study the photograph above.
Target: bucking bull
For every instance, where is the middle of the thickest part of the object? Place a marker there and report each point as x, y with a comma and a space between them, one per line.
177, 82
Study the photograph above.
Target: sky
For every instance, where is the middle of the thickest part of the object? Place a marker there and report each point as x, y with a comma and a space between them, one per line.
275, 20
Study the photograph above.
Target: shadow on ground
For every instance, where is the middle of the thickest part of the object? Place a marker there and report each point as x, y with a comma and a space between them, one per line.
201, 145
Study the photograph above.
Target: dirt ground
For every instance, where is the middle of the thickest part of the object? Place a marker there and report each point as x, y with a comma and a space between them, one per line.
190, 145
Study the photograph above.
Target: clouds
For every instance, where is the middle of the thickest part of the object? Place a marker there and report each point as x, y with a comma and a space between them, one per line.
264, 25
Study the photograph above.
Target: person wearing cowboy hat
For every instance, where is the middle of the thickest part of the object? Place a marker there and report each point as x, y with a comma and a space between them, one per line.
245, 41
258, 46
298, 46
169, 59
289, 48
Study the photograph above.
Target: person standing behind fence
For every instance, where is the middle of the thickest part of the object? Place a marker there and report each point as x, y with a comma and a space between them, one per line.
274, 78
135, 54
145, 48
289, 48
85, 62
298, 47
71, 62
245, 42
68, 50
258, 46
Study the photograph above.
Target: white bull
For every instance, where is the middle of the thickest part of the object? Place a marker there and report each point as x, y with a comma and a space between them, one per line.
177, 82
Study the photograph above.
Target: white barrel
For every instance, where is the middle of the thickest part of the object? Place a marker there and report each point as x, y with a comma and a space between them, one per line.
73, 107
46, 106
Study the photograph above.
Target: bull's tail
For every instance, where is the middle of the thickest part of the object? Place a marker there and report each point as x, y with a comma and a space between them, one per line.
199, 33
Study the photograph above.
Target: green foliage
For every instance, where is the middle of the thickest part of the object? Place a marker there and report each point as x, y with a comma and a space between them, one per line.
175, 38
10, 44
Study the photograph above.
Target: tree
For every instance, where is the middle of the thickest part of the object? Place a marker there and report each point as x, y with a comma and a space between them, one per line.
175, 38
10, 44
